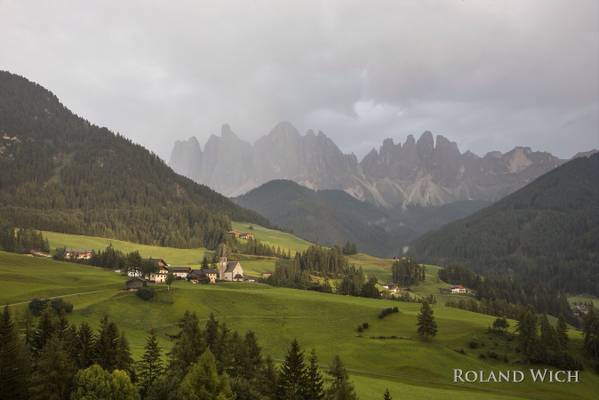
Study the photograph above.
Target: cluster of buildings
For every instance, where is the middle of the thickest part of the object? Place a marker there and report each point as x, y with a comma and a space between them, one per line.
456, 289
226, 270
77, 254
235, 234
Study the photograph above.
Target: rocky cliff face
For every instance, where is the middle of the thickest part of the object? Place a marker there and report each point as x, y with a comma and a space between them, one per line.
425, 172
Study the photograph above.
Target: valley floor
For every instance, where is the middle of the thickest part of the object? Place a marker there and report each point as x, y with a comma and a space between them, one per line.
409, 367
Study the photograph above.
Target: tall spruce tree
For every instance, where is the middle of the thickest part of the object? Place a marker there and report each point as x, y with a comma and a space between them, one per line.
14, 366
54, 372
562, 333
107, 345
427, 326
293, 378
315, 384
341, 388
85, 345
590, 332
268, 379
124, 360
188, 346
527, 335
150, 366
548, 339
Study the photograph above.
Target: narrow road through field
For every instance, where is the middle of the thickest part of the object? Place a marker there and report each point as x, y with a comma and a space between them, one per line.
64, 295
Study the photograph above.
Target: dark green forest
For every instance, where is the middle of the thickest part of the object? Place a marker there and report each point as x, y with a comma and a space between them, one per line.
543, 237
59, 172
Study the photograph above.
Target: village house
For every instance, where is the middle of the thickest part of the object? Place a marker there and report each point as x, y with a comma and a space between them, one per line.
135, 273
230, 270
203, 276
458, 289
134, 284
235, 234
77, 254
180, 272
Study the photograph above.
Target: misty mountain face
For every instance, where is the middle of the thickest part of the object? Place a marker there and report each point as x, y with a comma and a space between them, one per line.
425, 172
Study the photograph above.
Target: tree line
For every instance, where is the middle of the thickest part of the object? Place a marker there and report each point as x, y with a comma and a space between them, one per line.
58, 360
22, 240
406, 272
508, 297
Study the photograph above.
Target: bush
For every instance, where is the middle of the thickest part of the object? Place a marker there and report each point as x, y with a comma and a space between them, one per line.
474, 344
564, 360
37, 306
386, 311
145, 293
493, 355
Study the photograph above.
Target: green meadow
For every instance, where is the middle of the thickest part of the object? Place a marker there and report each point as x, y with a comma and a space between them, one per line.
409, 367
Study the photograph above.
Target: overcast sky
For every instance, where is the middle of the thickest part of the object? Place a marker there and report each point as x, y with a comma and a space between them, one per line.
487, 74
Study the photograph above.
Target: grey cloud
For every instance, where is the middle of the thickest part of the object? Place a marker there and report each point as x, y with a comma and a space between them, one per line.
487, 74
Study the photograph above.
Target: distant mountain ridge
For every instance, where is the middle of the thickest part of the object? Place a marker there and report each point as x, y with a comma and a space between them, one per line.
424, 172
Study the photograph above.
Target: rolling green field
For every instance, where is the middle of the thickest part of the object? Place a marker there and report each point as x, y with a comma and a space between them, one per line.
286, 241
172, 255
409, 367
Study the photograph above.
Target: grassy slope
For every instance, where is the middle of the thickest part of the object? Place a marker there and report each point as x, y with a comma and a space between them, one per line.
410, 368
286, 241
170, 254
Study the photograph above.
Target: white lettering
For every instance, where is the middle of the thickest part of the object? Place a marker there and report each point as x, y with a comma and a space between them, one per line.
504, 376
572, 376
457, 374
471, 376
517, 376
537, 375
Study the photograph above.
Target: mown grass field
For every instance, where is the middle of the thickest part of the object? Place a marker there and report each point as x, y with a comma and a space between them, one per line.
286, 241
409, 367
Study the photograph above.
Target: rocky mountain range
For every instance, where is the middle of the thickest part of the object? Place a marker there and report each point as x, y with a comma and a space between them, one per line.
425, 172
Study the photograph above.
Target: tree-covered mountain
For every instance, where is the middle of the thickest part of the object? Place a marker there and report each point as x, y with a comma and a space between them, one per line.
423, 172
60, 172
546, 232
332, 217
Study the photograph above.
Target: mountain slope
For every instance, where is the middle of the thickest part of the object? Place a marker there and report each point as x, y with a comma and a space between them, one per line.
425, 172
59, 172
548, 230
333, 217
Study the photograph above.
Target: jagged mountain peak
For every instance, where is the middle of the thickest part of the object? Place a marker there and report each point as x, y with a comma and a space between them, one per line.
428, 171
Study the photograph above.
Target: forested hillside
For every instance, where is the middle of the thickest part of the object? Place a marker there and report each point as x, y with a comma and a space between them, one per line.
546, 232
59, 172
329, 217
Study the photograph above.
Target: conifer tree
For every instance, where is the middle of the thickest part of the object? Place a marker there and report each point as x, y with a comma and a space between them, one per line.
315, 385
254, 354
427, 326
54, 372
292, 380
590, 332
188, 345
387, 395
548, 340
106, 349
45, 329
268, 379
341, 388
562, 333
124, 361
85, 346
13, 362
150, 366
527, 334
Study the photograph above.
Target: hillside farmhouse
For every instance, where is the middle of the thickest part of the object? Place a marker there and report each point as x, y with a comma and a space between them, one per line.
230, 270
458, 289
77, 254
